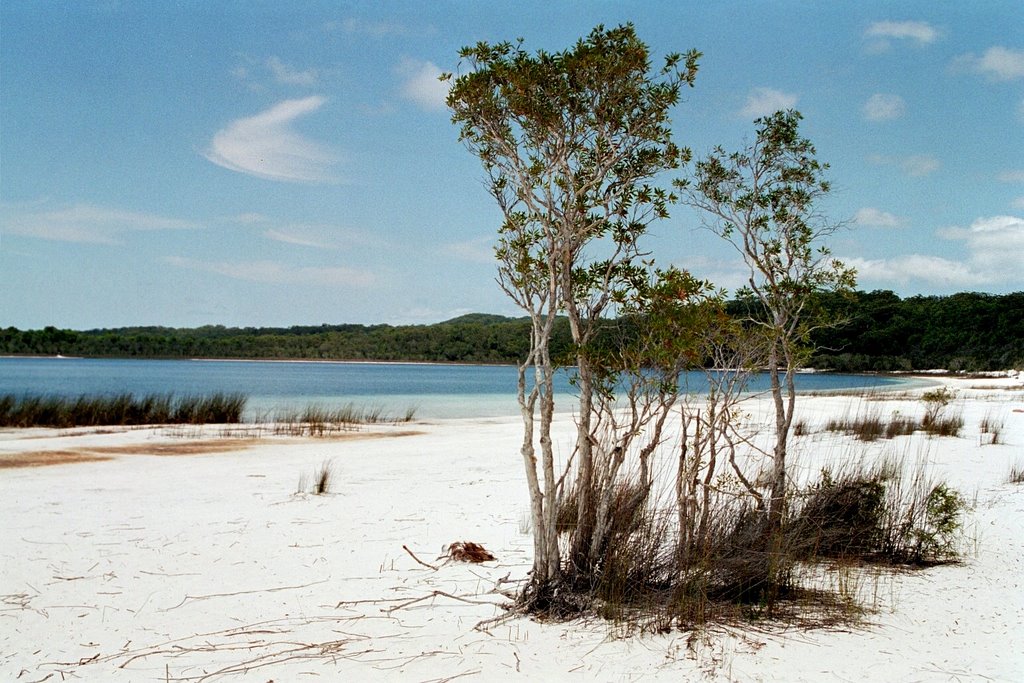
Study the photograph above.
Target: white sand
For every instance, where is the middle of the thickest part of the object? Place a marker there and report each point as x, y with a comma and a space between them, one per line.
210, 567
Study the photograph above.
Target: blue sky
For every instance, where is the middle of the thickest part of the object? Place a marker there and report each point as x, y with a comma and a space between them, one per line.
269, 163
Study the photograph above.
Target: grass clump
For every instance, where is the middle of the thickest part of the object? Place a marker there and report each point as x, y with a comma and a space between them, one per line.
120, 410
1016, 475
991, 427
873, 426
318, 421
320, 483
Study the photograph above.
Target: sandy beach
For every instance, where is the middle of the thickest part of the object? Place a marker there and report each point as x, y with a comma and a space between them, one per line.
188, 554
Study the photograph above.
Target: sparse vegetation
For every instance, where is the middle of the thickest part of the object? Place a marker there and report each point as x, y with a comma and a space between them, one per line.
1016, 475
872, 425
321, 481
991, 428
119, 410
318, 421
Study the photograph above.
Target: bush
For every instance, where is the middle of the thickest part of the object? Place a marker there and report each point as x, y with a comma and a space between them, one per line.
880, 514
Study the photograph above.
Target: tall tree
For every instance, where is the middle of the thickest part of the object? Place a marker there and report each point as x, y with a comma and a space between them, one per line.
764, 201
571, 143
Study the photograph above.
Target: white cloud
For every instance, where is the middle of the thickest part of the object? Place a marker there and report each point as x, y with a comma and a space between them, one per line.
995, 254
1012, 176
883, 107
288, 76
916, 166
265, 145
320, 236
996, 244
765, 101
920, 32
479, 250
932, 270
251, 218
997, 63
84, 223
421, 85
273, 272
293, 238
877, 218
920, 165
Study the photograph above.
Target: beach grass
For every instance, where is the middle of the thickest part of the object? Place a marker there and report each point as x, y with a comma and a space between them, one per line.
120, 410
315, 420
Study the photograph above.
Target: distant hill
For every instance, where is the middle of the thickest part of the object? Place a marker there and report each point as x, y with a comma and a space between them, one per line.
968, 331
478, 319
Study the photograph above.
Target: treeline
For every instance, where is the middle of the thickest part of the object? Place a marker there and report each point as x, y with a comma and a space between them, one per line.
882, 332
961, 332
476, 338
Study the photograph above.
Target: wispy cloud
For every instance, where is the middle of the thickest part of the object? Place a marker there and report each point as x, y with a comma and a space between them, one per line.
884, 107
274, 272
882, 33
288, 75
915, 166
996, 63
420, 84
376, 29
479, 250
266, 146
83, 223
1014, 176
765, 101
933, 270
320, 236
1018, 203
876, 218
994, 255
996, 244
250, 218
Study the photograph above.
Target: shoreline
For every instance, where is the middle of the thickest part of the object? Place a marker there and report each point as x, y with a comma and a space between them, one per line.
173, 558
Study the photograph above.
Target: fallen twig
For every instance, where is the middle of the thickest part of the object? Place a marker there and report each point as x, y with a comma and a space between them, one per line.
226, 595
434, 594
413, 556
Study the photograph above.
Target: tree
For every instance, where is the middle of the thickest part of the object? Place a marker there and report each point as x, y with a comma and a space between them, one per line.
763, 200
571, 143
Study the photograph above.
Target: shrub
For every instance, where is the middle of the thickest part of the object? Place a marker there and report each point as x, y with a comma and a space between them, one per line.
878, 514
840, 519
934, 422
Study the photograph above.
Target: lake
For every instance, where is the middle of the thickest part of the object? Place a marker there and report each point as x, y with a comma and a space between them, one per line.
434, 391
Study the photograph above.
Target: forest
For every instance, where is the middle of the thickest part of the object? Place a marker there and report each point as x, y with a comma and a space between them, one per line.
879, 332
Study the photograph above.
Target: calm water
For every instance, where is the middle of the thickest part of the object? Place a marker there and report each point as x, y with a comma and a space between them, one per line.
435, 391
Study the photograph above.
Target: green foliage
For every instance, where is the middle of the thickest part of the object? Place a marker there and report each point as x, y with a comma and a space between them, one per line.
881, 332
572, 143
962, 332
935, 539
877, 514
